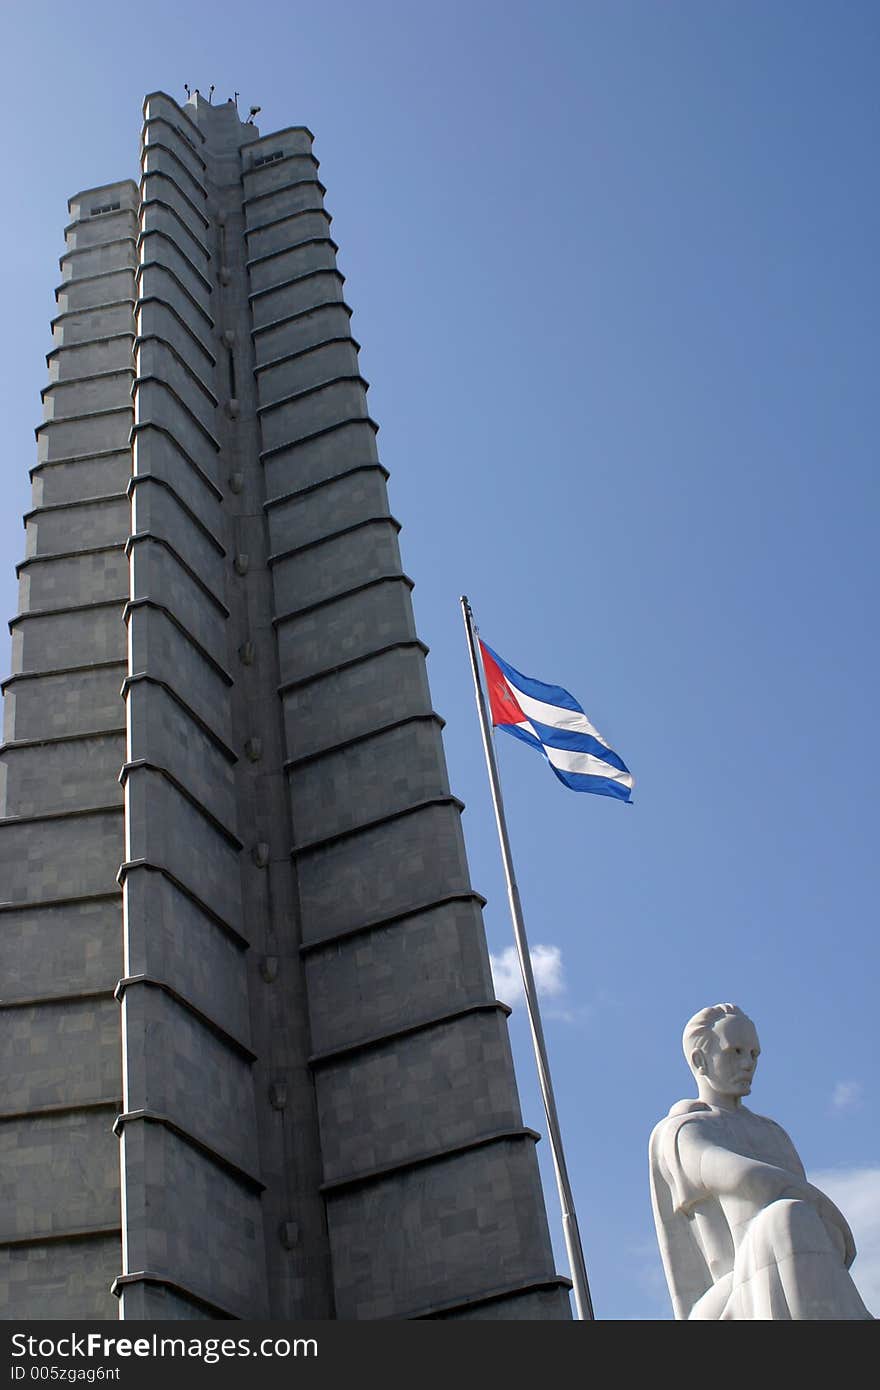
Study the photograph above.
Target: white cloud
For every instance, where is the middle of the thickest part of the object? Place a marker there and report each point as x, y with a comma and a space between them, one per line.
547, 968
847, 1095
857, 1192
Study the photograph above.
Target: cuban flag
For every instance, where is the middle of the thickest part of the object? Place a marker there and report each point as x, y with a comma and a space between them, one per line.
549, 719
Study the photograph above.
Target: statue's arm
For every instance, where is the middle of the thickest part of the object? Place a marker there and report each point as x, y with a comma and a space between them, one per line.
714, 1169
723, 1173
834, 1219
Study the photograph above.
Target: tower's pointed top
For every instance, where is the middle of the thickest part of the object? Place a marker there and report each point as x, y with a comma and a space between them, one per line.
206, 115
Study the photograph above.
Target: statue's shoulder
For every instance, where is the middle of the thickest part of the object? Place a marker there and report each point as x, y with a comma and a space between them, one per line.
679, 1113
688, 1107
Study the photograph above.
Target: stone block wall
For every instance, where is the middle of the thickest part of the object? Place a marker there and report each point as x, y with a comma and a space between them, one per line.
61, 813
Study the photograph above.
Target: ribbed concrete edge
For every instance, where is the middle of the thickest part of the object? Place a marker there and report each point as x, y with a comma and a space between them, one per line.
150, 1276
516, 1290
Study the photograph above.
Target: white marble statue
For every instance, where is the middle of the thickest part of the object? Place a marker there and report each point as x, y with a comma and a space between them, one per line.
741, 1231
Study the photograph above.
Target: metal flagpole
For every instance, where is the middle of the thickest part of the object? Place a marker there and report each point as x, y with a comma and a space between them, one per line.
569, 1218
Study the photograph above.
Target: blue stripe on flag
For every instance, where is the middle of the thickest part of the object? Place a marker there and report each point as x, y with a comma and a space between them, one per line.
577, 781
523, 734
578, 743
601, 786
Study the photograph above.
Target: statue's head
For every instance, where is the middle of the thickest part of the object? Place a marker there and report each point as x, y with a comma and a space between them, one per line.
722, 1049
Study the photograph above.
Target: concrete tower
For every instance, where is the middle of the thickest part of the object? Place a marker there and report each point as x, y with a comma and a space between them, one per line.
252, 1061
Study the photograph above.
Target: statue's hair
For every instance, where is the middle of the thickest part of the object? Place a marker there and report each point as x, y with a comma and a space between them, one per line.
698, 1030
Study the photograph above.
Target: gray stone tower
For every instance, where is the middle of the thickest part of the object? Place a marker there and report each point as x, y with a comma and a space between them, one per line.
252, 1061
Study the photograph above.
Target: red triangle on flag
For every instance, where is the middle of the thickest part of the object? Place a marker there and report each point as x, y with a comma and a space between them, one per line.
503, 703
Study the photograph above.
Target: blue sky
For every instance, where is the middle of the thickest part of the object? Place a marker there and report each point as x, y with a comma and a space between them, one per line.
613, 267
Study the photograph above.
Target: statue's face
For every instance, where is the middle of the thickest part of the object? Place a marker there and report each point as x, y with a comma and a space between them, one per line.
728, 1064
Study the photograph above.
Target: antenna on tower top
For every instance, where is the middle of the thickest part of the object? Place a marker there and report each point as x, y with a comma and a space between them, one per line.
186, 89
211, 95
255, 111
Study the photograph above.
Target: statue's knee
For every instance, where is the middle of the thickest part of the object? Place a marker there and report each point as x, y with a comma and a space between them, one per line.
788, 1222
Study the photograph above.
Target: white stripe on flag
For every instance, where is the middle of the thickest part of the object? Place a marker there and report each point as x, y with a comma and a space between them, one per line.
527, 728
555, 715
585, 763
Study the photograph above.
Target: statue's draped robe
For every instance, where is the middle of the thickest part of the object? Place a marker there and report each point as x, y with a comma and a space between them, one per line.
784, 1263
